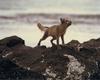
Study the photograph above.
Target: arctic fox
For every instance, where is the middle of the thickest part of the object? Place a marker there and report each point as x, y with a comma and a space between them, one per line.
55, 31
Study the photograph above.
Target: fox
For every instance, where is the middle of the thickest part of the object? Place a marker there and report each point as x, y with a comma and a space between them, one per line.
55, 31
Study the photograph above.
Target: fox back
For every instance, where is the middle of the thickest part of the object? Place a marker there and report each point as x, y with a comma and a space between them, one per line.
58, 30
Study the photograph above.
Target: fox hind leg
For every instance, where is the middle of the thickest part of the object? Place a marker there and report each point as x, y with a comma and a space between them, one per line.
52, 41
43, 38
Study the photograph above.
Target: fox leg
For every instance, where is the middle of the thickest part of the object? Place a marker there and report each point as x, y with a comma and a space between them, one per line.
52, 41
62, 38
58, 46
43, 38
57, 41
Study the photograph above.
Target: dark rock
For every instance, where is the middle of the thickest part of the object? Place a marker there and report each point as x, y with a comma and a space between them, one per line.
95, 76
73, 43
11, 41
56, 62
92, 43
73, 61
88, 52
10, 71
26, 56
2, 48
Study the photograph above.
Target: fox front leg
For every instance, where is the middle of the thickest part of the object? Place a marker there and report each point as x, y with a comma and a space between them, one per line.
57, 41
58, 46
62, 38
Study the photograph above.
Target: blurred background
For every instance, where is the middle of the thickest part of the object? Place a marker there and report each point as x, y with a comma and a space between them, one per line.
20, 17
52, 6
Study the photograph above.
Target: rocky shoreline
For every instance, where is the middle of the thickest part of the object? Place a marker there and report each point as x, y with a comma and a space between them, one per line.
74, 61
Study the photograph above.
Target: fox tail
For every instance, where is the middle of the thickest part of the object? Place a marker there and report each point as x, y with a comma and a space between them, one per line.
41, 27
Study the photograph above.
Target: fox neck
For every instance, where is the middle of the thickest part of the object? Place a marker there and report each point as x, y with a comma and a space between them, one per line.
64, 26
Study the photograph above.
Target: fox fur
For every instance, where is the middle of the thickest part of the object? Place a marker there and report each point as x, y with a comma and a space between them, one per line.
41, 27
54, 31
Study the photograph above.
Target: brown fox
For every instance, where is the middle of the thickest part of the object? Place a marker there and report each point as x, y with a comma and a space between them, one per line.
54, 31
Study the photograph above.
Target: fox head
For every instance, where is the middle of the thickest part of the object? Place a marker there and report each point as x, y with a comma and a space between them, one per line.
65, 21
38, 24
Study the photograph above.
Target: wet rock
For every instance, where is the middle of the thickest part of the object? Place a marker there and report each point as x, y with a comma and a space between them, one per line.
10, 71
72, 61
88, 52
11, 41
73, 43
56, 64
92, 43
26, 56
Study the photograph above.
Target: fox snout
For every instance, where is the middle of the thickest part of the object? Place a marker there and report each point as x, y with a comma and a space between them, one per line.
69, 23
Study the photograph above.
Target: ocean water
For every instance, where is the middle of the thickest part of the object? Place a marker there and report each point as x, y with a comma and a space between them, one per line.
21, 17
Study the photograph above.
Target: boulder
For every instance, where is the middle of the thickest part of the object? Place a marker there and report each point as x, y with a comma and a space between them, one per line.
11, 41
92, 43
72, 61
11, 71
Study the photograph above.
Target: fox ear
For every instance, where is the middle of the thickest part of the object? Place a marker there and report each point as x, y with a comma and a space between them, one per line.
38, 24
61, 20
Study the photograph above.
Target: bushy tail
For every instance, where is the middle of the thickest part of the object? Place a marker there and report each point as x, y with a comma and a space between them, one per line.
41, 27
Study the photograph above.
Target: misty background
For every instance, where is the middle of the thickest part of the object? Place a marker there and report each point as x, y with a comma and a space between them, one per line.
50, 6
20, 17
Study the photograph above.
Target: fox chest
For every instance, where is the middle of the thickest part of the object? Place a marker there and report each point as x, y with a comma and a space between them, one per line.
61, 31
56, 32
